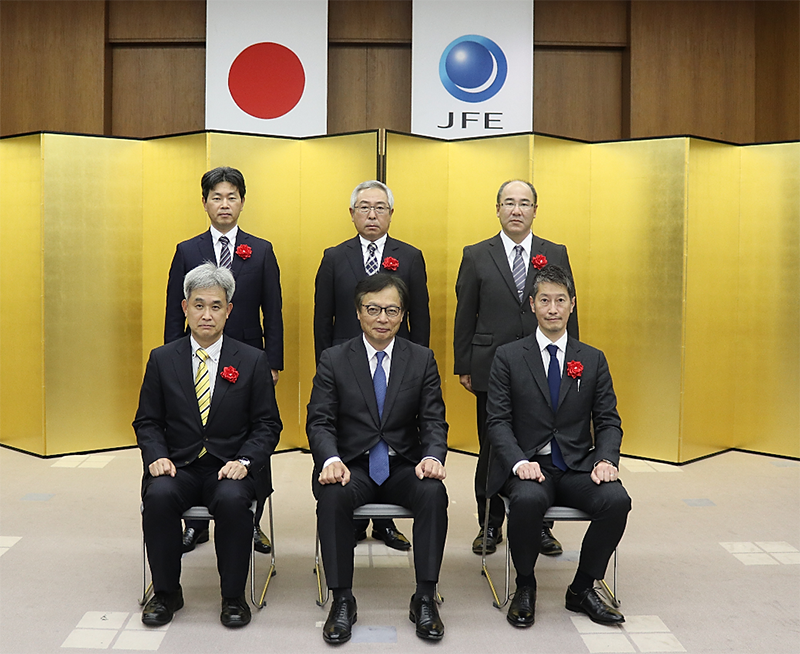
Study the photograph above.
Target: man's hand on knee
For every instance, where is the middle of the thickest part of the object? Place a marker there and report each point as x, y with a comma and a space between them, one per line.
335, 472
232, 470
530, 470
430, 468
162, 467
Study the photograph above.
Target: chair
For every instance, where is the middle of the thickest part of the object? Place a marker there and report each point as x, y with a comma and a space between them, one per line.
202, 513
365, 512
555, 513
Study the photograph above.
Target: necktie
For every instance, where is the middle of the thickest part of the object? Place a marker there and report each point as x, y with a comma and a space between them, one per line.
202, 386
379, 455
225, 253
518, 271
372, 261
554, 382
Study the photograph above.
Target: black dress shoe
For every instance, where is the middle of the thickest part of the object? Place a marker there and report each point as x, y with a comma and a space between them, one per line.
192, 537
590, 603
425, 614
235, 612
392, 538
550, 545
260, 541
161, 607
341, 618
495, 537
523, 606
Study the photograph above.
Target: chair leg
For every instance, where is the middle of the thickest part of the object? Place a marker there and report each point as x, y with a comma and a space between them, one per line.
610, 594
146, 588
319, 572
485, 571
261, 602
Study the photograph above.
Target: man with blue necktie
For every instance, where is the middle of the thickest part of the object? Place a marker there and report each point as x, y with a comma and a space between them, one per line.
555, 435
376, 428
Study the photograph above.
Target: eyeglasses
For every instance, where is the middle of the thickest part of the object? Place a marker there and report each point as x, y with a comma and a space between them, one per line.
524, 205
374, 310
379, 210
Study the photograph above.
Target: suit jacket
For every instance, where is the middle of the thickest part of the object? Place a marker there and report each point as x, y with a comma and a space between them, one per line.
243, 419
488, 310
343, 412
342, 267
258, 291
521, 418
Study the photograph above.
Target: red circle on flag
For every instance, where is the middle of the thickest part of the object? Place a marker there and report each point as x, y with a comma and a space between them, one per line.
266, 80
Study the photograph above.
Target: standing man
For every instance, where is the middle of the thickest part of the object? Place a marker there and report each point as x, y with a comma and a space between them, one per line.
207, 424
342, 267
555, 433
377, 431
257, 319
494, 280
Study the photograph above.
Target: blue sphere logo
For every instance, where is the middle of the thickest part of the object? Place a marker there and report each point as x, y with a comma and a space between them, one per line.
473, 68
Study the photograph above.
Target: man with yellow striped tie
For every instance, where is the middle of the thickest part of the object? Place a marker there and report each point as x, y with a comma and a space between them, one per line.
207, 424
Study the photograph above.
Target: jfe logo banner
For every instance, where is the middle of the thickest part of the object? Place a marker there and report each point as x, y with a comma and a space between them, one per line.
267, 66
472, 68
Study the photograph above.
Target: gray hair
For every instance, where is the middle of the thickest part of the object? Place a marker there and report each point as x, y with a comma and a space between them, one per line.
373, 183
208, 275
511, 181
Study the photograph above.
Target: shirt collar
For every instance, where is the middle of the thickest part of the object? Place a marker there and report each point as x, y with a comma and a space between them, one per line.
509, 245
371, 350
213, 351
379, 242
543, 341
215, 234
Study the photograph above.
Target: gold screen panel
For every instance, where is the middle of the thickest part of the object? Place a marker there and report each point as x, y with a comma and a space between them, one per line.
21, 291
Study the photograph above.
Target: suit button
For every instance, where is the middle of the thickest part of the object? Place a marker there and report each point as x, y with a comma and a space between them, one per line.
555, 431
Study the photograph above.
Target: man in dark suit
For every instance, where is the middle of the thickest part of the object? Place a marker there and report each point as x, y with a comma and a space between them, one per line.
379, 442
257, 319
555, 435
372, 250
493, 283
207, 424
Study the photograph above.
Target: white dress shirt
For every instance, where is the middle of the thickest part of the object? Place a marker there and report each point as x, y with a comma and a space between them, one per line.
231, 235
509, 246
212, 363
380, 243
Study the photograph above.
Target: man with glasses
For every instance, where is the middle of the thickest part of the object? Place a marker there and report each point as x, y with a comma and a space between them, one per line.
376, 428
494, 280
371, 251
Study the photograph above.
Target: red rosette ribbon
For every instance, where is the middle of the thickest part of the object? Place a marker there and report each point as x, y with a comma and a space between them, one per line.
244, 251
574, 369
229, 373
539, 261
390, 263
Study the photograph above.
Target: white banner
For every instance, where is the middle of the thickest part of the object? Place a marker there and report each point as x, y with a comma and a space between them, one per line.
472, 68
267, 66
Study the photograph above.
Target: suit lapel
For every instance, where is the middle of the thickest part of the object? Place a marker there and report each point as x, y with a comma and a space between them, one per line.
498, 254
567, 382
205, 244
229, 356
400, 359
358, 362
183, 369
236, 261
533, 358
537, 247
355, 258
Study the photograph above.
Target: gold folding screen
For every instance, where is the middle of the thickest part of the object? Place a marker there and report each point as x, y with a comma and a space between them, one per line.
685, 252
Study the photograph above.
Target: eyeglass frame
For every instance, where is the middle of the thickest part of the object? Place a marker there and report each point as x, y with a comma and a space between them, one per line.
510, 205
381, 309
379, 210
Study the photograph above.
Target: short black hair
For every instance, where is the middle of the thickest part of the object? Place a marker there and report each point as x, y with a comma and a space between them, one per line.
553, 274
376, 283
219, 175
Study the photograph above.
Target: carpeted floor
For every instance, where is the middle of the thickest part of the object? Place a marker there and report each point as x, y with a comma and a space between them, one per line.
709, 563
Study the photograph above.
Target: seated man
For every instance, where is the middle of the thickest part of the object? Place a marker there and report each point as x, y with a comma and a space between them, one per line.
377, 431
547, 392
207, 424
